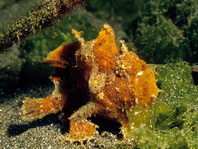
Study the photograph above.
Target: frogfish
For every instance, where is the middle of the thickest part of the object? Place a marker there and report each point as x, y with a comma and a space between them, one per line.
94, 78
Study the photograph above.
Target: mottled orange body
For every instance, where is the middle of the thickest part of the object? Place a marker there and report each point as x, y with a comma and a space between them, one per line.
94, 78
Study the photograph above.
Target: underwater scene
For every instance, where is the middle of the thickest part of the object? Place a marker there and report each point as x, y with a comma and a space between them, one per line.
97, 74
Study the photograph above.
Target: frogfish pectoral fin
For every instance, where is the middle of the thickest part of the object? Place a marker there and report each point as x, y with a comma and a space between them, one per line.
38, 108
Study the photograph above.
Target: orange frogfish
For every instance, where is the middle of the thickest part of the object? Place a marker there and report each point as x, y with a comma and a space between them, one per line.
94, 78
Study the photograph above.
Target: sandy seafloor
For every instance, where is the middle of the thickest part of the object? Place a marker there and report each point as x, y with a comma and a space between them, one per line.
46, 133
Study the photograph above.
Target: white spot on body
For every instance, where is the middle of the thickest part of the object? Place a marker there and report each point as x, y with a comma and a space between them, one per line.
139, 73
136, 100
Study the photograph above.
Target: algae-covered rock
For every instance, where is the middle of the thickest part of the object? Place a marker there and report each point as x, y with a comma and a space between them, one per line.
161, 42
173, 118
192, 35
40, 16
166, 30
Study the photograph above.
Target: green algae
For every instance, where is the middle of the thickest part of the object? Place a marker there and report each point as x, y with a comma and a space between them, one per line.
162, 42
172, 121
167, 28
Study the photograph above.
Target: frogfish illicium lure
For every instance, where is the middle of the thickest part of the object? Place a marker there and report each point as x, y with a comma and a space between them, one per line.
94, 78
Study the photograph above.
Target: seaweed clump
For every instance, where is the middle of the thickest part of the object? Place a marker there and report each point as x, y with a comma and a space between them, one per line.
172, 122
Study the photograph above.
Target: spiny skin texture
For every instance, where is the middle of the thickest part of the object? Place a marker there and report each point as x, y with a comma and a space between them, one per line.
94, 78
